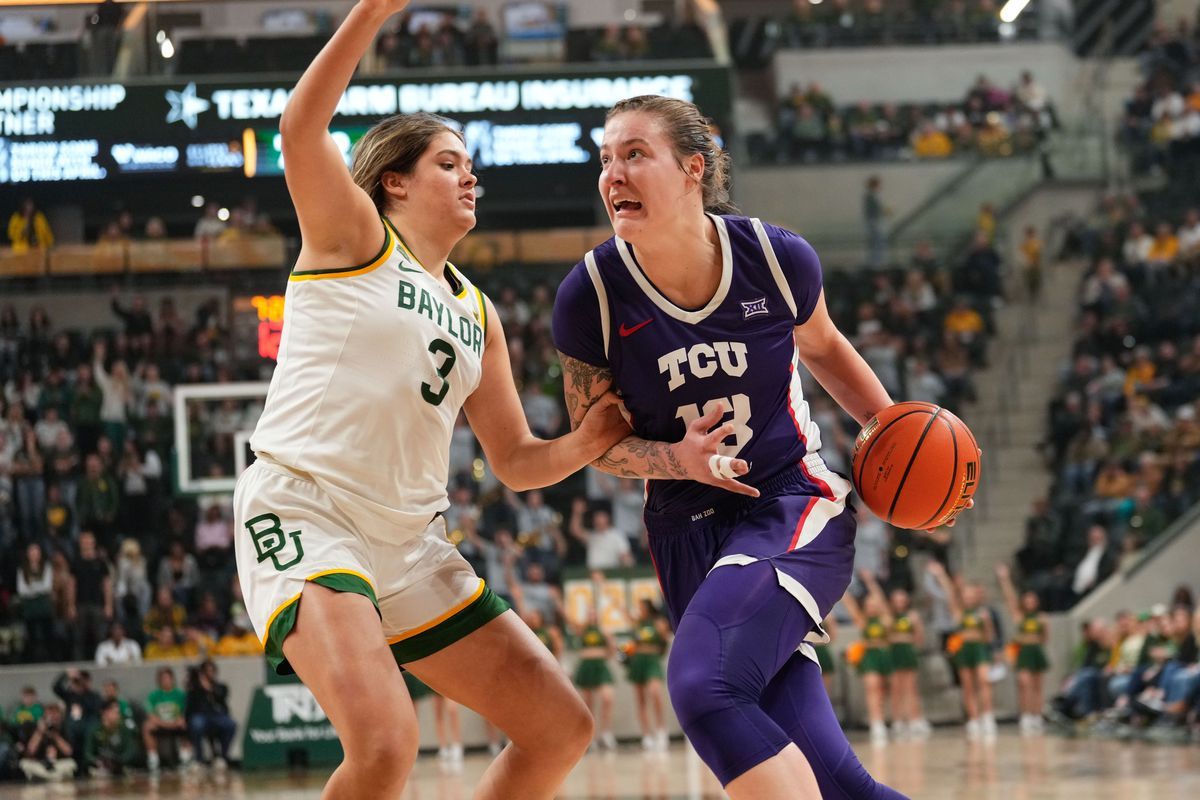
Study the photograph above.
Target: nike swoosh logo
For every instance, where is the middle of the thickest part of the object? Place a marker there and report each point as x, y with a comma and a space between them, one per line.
631, 331
403, 268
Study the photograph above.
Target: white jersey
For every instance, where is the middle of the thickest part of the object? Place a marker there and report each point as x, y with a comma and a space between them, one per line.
375, 363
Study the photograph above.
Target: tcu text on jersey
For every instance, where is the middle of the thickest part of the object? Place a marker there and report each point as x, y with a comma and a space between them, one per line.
702, 361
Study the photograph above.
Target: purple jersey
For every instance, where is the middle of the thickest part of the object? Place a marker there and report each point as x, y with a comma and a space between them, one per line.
670, 364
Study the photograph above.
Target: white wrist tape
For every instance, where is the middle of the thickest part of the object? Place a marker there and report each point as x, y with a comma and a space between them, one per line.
721, 467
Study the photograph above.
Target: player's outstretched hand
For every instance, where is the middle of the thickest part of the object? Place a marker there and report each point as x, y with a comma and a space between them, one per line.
701, 458
604, 426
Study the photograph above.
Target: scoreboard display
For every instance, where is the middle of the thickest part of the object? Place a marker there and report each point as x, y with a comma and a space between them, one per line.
257, 323
533, 136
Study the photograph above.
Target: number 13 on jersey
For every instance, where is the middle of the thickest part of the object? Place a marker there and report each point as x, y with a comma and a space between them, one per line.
739, 404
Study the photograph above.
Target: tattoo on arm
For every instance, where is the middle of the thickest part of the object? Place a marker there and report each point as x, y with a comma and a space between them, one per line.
581, 384
581, 391
639, 458
612, 463
658, 456
632, 458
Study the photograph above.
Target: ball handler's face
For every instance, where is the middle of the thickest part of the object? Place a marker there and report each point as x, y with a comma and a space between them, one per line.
440, 192
641, 181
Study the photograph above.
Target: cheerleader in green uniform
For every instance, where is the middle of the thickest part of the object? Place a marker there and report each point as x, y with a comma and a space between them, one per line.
651, 633
873, 619
825, 657
1031, 650
595, 679
974, 657
906, 635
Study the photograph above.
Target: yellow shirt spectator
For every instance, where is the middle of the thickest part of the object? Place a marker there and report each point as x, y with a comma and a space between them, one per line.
197, 643
1031, 251
1193, 100
986, 222
1113, 483
963, 320
246, 644
1165, 248
160, 652
1140, 372
29, 230
932, 143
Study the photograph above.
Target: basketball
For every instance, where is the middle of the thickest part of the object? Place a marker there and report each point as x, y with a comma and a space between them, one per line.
916, 465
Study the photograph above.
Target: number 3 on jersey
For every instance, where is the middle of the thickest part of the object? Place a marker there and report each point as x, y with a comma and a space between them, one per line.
740, 404
440, 347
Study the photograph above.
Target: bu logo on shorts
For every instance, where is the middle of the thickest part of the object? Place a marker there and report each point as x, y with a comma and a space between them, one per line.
270, 540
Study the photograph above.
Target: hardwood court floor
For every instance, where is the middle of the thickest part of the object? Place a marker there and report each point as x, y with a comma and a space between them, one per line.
944, 768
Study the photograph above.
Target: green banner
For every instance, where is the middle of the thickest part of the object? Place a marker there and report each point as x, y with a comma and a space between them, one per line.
286, 725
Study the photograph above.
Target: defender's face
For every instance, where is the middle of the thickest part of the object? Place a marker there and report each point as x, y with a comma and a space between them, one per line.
641, 181
441, 188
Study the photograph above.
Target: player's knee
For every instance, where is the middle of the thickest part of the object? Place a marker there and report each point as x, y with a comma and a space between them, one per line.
695, 683
574, 727
388, 757
564, 734
698, 689
577, 730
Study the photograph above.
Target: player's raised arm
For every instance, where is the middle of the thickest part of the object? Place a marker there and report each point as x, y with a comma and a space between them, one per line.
936, 569
1009, 591
874, 590
857, 617
338, 221
695, 457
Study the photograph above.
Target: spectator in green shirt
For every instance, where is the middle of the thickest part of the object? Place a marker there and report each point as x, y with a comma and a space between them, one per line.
112, 693
165, 719
111, 748
98, 501
23, 719
28, 711
56, 393
85, 409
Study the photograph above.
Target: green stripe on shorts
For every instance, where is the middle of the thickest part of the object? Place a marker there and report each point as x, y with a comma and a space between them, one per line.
285, 620
470, 619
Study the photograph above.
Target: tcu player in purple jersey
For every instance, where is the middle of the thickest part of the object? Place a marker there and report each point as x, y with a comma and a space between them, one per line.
700, 319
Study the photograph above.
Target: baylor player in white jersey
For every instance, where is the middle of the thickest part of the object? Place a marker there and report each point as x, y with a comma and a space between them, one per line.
341, 551
377, 383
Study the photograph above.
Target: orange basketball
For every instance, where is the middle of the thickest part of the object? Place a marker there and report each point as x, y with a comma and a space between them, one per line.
916, 465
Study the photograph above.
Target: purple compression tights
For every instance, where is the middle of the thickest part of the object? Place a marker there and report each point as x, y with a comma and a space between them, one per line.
742, 693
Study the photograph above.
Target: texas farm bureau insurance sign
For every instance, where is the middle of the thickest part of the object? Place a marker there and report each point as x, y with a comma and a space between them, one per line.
548, 122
